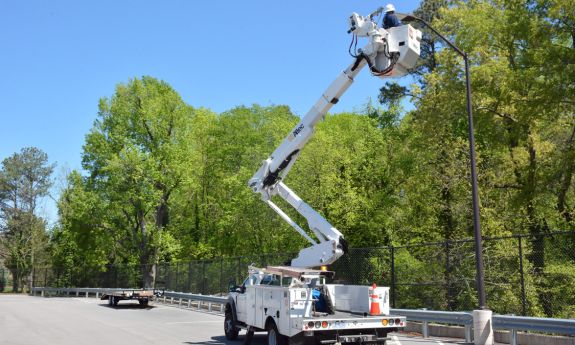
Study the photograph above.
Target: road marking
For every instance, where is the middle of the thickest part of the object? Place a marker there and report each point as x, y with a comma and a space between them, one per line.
439, 342
395, 340
182, 322
84, 300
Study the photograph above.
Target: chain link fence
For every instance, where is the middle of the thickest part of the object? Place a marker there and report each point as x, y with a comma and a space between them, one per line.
524, 275
5, 278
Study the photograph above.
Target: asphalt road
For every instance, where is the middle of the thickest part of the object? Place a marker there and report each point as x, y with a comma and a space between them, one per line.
26, 320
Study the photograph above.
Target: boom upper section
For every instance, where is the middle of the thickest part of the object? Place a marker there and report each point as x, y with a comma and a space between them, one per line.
388, 53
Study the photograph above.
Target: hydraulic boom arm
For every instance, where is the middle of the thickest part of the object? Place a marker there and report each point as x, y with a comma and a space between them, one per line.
389, 53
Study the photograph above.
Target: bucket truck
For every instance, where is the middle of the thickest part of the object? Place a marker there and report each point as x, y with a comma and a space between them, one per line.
295, 303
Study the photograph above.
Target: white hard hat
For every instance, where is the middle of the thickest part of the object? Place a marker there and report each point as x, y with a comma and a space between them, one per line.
389, 8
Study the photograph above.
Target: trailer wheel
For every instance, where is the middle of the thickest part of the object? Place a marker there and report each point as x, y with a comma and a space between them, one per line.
230, 328
110, 300
143, 302
116, 300
274, 337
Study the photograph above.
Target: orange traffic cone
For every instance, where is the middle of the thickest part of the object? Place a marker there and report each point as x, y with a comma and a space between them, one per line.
374, 301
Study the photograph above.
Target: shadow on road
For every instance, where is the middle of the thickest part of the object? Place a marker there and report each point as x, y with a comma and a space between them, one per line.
127, 306
258, 339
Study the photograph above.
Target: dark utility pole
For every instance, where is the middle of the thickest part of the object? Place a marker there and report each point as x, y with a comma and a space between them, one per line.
475, 193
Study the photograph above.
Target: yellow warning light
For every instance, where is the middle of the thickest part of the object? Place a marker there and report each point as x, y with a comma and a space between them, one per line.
384, 322
323, 268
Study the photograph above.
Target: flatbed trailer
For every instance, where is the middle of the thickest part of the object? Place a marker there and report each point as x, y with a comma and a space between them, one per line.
142, 296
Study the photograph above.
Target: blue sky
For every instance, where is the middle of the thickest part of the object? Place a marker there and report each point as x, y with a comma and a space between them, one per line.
58, 58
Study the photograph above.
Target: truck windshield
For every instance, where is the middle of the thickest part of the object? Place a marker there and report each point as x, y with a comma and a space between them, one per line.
271, 279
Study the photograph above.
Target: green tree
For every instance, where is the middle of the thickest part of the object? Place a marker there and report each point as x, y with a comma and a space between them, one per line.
25, 178
136, 155
344, 173
222, 215
523, 119
85, 236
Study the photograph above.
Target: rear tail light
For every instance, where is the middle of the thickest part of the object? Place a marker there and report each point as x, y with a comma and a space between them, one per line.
391, 322
317, 324
310, 324
324, 324
397, 321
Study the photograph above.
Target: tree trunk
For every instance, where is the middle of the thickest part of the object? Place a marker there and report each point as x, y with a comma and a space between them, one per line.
147, 260
148, 274
162, 213
15, 280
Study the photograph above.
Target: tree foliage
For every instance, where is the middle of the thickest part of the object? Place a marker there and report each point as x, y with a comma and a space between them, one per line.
25, 179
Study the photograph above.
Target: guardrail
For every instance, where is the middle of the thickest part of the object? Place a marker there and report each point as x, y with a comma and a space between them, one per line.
540, 324
449, 317
77, 291
200, 301
510, 323
500, 322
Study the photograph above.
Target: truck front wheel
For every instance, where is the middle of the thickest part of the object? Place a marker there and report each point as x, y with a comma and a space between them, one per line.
274, 337
230, 328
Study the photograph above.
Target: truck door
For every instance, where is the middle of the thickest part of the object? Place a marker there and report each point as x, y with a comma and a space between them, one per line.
250, 305
259, 308
241, 306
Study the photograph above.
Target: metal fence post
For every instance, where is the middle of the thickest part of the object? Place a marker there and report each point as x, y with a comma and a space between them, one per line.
513, 332
189, 289
204, 277
425, 327
449, 284
167, 280
468, 332
392, 277
177, 270
513, 337
522, 275
221, 287
238, 280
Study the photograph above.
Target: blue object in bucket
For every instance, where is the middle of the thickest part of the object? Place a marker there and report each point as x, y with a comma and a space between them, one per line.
319, 301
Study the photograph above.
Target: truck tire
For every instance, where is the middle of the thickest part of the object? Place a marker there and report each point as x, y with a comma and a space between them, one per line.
230, 328
274, 337
115, 301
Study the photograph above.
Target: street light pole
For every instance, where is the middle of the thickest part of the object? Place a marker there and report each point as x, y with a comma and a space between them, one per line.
475, 190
